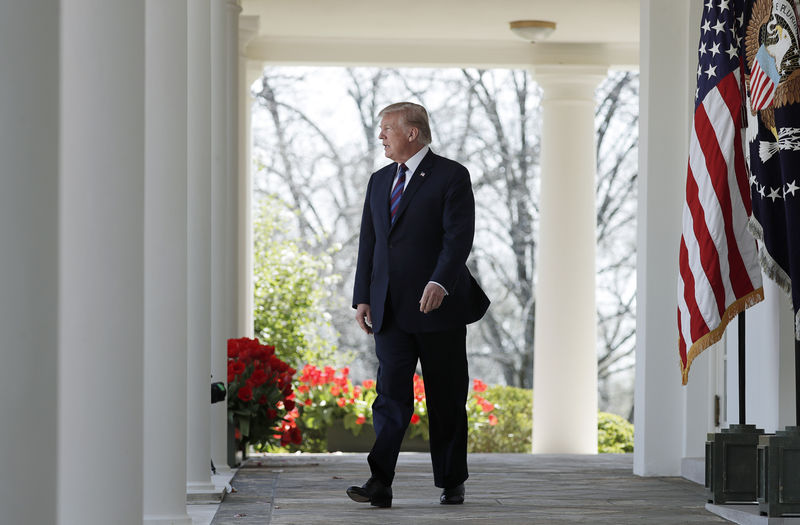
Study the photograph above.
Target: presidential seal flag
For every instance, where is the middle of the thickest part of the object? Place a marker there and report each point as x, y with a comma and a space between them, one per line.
773, 137
718, 265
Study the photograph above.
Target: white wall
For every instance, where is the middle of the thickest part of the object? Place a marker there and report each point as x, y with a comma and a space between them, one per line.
769, 363
668, 62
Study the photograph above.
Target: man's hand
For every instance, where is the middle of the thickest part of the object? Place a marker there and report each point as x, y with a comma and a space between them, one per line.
432, 298
364, 317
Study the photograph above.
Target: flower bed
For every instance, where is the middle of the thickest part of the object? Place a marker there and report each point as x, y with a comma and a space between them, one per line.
326, 411
327, 395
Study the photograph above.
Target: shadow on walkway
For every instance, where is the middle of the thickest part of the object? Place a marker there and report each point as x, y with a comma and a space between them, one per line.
503, 489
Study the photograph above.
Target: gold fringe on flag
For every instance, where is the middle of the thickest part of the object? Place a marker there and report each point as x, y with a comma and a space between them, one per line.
715, 335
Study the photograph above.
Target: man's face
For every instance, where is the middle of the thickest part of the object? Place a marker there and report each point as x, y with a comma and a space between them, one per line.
399, 142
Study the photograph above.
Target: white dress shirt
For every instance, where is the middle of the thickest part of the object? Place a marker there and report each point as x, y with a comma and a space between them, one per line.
411, 166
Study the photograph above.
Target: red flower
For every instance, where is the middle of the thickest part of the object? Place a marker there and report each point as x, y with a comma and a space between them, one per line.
275, 363
345, 371
308, 402
238, 368
233, 347
244, 355
419, 388
360, 420
259, 377
487, 407
295, 435
289, 404
335, 390
368, 383
414, 419
245, 393
492, 419
478, 385
341, 401
356, 391
303, 389
237, 434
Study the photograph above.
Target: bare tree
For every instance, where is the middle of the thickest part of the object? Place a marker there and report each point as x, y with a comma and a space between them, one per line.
617, 153
487, 119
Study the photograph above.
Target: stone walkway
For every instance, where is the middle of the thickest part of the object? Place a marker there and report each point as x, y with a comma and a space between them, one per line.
504, 489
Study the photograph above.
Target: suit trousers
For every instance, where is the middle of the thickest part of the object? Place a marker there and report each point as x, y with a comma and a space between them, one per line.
443, 357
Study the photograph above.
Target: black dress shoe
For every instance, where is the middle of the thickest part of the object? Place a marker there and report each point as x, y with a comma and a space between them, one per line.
453, 496
374, 492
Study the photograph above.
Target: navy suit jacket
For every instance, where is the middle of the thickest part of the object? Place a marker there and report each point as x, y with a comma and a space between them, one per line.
429, 241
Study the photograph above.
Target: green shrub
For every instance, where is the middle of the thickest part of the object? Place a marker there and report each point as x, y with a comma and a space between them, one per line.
513, 408
614, 434
292, 282
514, 429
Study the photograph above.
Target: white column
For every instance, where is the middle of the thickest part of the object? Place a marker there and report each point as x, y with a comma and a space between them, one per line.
101, 263
165, 263
668, 43
235, 182
222, 304
565, 358
29, 117
248, 73
198, 444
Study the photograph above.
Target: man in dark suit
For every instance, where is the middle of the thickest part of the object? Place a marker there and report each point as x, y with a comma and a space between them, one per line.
415, 293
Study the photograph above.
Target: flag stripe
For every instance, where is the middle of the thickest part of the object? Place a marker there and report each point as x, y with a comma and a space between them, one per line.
695, 325
724, 181
710, 211
703, 256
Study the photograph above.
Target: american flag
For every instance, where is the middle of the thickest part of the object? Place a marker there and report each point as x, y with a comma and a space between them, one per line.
719, 275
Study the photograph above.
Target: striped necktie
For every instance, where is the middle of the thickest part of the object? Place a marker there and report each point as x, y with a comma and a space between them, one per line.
397, 192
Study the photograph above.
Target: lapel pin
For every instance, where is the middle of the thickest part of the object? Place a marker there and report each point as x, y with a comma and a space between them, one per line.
422, 174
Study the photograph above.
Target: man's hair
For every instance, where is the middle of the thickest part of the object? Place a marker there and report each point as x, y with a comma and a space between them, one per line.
413, 115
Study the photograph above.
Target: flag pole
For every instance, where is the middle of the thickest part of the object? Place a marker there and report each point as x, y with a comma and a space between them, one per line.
742, 411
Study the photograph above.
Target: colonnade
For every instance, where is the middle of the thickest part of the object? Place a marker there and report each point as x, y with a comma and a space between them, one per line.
126, 206
118, 274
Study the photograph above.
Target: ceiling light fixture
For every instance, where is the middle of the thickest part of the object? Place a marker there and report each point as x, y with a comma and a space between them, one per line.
532, 30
